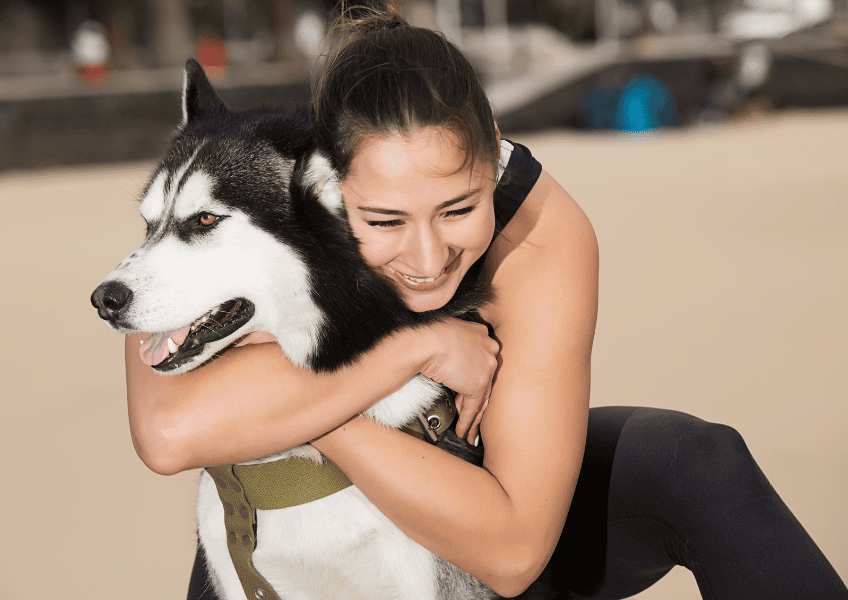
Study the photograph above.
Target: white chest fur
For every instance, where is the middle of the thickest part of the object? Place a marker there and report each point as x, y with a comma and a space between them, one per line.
338, 547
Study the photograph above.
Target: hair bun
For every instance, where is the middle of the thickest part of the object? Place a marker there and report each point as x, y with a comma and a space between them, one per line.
379, 82
361, 20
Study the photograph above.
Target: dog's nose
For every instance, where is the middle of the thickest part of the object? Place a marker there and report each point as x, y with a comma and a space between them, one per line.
110, 298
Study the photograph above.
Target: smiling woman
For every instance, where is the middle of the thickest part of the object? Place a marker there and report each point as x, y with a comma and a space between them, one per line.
617, 496
419, 221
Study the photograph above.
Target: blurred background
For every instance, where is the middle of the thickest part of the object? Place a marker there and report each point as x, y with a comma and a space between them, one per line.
86, 81
705, 139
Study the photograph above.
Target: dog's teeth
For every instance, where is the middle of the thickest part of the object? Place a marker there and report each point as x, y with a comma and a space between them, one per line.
141, 342
172, 346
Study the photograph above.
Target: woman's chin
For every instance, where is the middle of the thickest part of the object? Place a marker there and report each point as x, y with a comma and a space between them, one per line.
425, 301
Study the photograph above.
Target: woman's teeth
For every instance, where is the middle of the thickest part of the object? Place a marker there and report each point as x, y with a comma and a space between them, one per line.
428, 280
416, 280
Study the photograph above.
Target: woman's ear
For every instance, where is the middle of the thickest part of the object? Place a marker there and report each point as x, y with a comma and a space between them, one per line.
498, 137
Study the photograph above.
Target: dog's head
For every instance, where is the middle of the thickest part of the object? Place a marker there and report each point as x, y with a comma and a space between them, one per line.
224, 254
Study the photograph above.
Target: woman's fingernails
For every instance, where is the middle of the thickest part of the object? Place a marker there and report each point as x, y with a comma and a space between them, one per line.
477, 440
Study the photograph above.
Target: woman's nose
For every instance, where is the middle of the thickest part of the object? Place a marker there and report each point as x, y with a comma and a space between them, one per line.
426, 252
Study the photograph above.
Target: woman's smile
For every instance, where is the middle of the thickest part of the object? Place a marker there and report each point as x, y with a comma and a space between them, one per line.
427, 284
421, 217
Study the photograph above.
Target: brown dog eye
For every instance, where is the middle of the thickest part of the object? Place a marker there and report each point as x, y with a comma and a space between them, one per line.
207, 219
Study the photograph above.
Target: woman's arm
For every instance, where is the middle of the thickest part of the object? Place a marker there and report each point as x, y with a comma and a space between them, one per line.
502, 522
252, 401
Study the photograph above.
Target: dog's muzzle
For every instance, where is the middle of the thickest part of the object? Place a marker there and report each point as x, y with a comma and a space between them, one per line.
219, 323
111, 300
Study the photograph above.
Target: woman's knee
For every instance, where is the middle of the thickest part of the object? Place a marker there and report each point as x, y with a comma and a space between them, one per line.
677, 462
711, 460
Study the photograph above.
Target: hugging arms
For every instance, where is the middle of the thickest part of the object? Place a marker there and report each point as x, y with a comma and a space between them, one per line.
500, 522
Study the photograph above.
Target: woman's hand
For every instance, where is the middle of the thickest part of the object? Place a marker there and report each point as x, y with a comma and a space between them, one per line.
465, 360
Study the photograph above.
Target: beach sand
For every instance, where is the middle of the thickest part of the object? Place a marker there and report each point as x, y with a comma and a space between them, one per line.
724, 254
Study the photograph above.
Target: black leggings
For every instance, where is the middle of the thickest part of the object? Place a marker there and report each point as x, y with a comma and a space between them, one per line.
660, 488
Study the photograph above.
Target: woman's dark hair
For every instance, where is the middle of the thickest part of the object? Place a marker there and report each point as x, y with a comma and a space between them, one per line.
389, 77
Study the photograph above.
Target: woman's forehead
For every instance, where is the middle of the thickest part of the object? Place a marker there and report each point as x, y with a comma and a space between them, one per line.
430, 156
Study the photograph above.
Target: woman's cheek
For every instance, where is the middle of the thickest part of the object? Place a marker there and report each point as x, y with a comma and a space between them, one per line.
479, 234
376, 250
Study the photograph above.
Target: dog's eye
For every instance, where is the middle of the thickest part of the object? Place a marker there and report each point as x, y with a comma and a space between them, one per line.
207, 219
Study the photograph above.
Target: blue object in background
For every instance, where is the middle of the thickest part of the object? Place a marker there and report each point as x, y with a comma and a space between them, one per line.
645, 104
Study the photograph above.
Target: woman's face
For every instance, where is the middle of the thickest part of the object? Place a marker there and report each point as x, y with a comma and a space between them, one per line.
420, 222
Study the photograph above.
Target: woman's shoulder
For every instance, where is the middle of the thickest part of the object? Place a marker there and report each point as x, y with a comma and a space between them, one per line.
531, 207
543, 223
549, 235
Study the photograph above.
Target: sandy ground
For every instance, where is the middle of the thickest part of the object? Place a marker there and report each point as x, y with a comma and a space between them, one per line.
723, 294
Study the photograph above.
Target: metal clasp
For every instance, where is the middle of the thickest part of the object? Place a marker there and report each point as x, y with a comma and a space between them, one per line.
428, 430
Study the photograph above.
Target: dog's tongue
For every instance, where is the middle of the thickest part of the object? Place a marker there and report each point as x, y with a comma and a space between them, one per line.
155, 348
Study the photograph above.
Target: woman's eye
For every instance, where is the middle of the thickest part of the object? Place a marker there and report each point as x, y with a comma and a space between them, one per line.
207, 219
392, 223
459, 211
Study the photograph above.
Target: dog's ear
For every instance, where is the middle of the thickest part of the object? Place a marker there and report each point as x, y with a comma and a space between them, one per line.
199, 99
324, 180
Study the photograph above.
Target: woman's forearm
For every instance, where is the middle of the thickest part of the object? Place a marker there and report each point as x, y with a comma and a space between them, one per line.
456, 510
252, 401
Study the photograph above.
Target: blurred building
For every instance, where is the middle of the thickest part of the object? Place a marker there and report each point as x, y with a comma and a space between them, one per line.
37, 36
97, 80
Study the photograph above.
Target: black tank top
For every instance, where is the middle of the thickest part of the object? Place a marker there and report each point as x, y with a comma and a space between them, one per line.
517, 174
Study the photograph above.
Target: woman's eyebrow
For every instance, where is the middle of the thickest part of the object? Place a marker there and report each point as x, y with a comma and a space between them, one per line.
401, 213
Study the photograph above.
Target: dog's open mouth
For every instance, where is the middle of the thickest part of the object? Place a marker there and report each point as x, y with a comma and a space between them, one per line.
171, 349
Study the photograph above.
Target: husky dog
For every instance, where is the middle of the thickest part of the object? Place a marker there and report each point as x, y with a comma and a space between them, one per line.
246, 231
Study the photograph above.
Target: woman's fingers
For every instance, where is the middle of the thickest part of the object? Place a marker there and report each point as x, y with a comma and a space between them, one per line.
470, 414
465, 358
474, 431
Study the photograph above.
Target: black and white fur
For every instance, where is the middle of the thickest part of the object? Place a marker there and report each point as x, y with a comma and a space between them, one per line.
282, 245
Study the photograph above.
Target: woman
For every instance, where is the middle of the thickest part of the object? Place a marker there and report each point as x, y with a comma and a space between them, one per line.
414, 140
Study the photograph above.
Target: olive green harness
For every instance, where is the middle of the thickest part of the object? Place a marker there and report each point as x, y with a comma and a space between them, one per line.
290, 482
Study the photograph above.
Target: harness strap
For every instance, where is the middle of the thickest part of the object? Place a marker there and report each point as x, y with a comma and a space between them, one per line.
290, 482
240, 520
